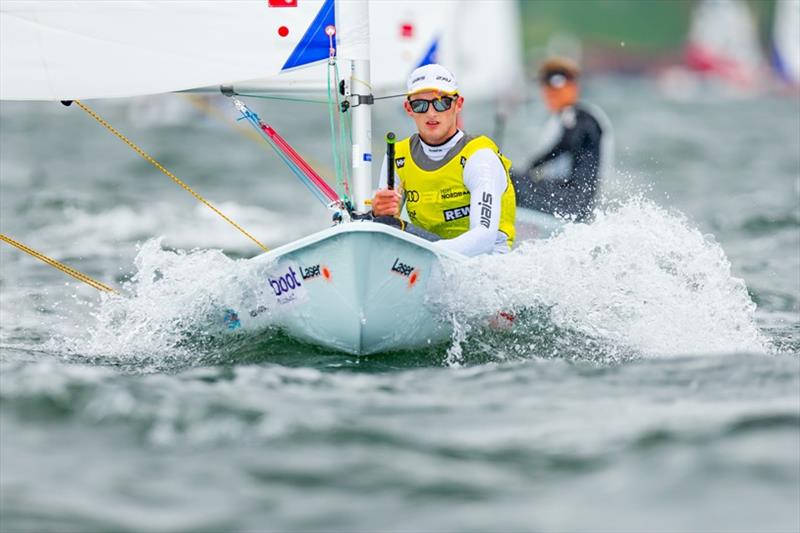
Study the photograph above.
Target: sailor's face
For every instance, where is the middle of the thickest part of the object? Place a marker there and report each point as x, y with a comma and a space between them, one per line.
557, 98
435, 127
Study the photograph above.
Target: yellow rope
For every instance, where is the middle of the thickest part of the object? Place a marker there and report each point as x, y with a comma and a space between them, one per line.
60, 266
169, 174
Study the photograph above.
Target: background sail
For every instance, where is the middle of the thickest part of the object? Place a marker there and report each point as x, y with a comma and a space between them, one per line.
100, 49
786, 40
405, 35
723, 41
484, 48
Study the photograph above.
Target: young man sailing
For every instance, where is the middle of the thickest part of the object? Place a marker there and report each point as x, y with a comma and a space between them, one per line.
454, 185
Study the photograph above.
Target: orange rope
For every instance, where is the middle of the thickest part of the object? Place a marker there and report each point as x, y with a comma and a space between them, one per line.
60, 266
169, 174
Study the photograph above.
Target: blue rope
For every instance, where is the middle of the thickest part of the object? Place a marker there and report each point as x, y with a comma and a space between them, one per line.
254, 120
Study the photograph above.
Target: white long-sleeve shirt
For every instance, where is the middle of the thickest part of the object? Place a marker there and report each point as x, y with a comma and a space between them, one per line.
483, 173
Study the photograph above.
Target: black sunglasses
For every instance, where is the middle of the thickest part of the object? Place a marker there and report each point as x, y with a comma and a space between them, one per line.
439, 104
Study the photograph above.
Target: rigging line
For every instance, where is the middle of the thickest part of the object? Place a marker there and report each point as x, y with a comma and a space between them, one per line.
344, 139
334, 144
307, 174
60, 266
211, 110
337, 144
333, 108
284, 98
341, 143
359, 80
310, 101
166, 172
389, 96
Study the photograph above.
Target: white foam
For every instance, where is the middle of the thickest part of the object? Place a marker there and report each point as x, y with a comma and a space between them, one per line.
174, 305
639, 277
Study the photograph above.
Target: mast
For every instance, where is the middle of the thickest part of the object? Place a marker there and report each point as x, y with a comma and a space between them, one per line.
361, 107
362, 134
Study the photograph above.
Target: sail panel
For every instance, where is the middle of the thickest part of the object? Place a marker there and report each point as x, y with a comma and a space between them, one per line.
404, 35
723, 42
786, 40
484, 48
478, 40
114, 48
316, 43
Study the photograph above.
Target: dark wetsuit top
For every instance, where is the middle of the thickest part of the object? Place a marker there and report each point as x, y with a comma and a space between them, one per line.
571, 196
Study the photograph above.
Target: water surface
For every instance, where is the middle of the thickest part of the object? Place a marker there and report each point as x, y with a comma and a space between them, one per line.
651, 381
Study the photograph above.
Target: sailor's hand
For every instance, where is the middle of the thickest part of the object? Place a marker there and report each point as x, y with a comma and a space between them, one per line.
386, 203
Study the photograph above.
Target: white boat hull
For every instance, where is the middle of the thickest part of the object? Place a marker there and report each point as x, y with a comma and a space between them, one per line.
359, 288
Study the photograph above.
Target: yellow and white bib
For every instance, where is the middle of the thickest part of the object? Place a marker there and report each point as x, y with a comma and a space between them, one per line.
436, 198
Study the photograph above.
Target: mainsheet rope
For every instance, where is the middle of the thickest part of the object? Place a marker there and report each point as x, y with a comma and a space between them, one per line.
60, 266
166, 172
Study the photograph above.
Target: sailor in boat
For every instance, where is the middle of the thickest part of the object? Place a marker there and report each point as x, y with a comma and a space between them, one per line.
563, 180
455, 186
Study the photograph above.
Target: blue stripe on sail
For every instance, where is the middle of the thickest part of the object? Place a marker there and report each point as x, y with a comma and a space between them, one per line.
431, 54
780, 64
315, 44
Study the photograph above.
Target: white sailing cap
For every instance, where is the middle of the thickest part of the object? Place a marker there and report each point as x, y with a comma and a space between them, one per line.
432, 77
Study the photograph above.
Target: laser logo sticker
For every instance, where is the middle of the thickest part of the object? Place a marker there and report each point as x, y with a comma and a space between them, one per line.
314, 271
309, 272
404, 269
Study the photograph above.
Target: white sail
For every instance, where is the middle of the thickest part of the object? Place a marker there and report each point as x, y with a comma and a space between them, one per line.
484, 48
786, 40
113, 48
723, 41
405, 35
478, 40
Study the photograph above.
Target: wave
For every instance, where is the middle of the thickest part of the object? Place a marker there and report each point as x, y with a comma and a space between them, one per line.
638, 281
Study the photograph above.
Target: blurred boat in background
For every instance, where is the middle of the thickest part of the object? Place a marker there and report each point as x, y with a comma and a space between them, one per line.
723, 43
723, 55
786, 41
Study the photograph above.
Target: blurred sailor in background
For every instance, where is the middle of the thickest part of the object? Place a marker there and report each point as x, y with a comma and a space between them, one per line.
563, 179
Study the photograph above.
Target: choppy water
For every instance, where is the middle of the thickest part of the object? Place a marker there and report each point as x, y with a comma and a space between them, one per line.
651, 381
